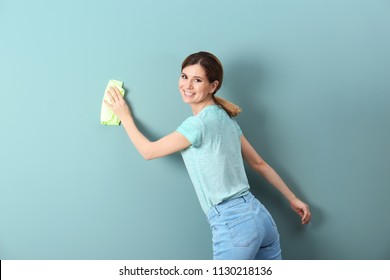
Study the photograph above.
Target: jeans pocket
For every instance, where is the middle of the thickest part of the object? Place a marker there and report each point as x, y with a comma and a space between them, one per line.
243, 231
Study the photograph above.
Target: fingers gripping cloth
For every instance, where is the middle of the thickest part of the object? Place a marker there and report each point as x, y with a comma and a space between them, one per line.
107, 117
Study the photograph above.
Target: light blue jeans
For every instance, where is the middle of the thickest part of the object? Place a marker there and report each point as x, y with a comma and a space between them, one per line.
243, 229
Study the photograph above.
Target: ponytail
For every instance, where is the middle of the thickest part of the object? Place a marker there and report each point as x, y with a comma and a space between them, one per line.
231, 109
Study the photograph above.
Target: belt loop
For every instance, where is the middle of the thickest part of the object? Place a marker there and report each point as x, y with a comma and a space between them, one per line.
216, 210
244, 198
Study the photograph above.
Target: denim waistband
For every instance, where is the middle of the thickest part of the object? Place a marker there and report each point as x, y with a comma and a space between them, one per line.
218, 209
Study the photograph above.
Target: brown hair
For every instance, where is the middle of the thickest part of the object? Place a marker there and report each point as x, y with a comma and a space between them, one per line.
214, 72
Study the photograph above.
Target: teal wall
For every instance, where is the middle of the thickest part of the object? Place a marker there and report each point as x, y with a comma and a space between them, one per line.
312, 78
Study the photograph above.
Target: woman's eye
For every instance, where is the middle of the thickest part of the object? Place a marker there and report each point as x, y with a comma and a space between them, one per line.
183, 76
198, 80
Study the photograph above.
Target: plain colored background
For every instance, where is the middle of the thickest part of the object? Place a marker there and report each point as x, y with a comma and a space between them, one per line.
311, 76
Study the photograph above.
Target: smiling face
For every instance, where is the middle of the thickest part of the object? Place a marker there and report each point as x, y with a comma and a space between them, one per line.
195, 88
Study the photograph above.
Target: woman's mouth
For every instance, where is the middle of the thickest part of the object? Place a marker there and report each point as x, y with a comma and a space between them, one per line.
189, 94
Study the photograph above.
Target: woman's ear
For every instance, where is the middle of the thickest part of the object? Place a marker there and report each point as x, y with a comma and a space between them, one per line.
214, 86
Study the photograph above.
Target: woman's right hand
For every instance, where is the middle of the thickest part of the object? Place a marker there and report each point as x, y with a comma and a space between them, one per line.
117, 103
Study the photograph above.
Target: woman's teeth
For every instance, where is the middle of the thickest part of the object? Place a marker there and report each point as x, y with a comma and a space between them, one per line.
188, 93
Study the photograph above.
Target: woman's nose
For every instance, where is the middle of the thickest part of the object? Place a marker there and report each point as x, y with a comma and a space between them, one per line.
189, 84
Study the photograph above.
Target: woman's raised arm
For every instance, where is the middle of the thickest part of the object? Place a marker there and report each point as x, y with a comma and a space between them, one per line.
169, 144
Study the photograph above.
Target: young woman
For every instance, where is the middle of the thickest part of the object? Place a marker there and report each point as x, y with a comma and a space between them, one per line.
213, 148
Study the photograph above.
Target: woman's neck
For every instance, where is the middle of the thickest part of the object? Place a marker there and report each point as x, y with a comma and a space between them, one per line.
196, 108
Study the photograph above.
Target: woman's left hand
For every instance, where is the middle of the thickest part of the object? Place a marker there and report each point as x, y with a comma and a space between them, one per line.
302, 209
117, 103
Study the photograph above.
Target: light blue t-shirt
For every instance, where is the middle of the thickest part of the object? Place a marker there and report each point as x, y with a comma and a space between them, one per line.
214, 161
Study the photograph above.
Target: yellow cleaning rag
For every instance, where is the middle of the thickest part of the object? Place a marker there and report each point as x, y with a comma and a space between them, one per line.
107, 117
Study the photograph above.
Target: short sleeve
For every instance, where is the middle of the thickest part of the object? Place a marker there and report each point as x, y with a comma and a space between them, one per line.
238, 128
192, 129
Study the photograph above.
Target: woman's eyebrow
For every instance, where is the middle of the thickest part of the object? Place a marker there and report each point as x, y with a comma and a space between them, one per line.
196, 77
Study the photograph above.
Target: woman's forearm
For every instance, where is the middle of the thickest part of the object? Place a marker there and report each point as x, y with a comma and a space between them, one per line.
166, 145
140, 142
275, 180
